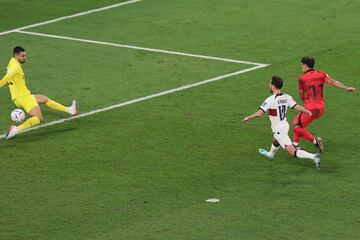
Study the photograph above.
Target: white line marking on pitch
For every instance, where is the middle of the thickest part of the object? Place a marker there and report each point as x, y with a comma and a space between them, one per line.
71, 16
139, 48
146, 98
19, 30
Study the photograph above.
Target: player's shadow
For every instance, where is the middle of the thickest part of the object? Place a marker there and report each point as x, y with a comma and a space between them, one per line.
37, 136
307, 163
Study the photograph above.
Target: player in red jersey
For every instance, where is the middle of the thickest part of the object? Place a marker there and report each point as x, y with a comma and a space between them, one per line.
311, 90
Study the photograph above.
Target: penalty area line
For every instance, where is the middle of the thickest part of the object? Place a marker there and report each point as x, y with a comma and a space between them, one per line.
138, 48
155, 95
71, 16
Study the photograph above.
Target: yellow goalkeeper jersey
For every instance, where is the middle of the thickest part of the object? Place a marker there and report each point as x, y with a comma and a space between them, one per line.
15, 78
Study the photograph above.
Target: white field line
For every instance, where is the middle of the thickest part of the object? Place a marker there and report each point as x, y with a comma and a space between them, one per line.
257, 66
70, 16
155, 95
139, 48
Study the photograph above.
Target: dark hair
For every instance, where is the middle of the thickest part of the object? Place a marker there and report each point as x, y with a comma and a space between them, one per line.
308, 61
18, 50
277, 82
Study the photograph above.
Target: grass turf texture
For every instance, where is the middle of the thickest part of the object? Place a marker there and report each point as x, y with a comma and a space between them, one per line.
145, 170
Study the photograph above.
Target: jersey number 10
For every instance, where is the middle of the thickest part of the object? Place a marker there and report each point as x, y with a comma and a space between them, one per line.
282, 112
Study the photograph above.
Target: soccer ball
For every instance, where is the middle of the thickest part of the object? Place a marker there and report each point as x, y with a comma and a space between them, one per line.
17, 115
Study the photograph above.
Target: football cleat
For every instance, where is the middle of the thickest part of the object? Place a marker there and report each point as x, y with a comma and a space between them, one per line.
317, 161
265, 153
319, 144
13, 130
72, 109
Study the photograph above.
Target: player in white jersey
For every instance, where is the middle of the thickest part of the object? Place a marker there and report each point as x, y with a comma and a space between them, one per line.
277, 105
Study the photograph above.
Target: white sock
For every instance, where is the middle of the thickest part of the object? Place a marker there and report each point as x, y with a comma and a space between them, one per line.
314, 141
273, 150
304, 154
296, 144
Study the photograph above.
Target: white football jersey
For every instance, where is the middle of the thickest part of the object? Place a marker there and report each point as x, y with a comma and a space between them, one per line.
277, 105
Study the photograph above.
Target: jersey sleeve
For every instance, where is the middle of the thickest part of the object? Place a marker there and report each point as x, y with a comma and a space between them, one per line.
291, 102
265, 105
326, 77
301, 88
8, 76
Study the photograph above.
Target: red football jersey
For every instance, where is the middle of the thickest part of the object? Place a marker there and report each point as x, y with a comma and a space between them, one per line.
311, 88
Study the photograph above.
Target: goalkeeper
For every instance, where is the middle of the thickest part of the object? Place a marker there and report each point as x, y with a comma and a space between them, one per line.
23, 98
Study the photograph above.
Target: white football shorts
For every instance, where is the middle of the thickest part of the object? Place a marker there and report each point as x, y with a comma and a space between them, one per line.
283, 139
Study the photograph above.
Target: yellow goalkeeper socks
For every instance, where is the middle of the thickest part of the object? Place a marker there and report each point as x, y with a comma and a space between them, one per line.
56, 106
29, 123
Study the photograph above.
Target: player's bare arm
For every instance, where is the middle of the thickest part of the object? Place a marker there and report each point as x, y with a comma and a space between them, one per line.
302, 109
338, 84
254, 115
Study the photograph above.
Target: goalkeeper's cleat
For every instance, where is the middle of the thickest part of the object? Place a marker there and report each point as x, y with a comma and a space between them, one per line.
13, 130
319, 144
265, 153
317, 161
72, 109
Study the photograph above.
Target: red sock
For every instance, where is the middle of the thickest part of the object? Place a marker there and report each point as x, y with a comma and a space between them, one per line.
302, 132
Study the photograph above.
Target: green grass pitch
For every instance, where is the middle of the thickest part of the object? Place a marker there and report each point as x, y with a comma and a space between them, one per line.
144, 171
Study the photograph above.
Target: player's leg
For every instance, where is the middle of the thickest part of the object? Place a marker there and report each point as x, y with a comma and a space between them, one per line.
32, 108
285, 142
270, 154
35, 119
42, 99
296, 124
299, 125
290, 149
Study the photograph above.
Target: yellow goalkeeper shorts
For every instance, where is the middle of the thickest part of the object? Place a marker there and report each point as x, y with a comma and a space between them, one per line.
27, 102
